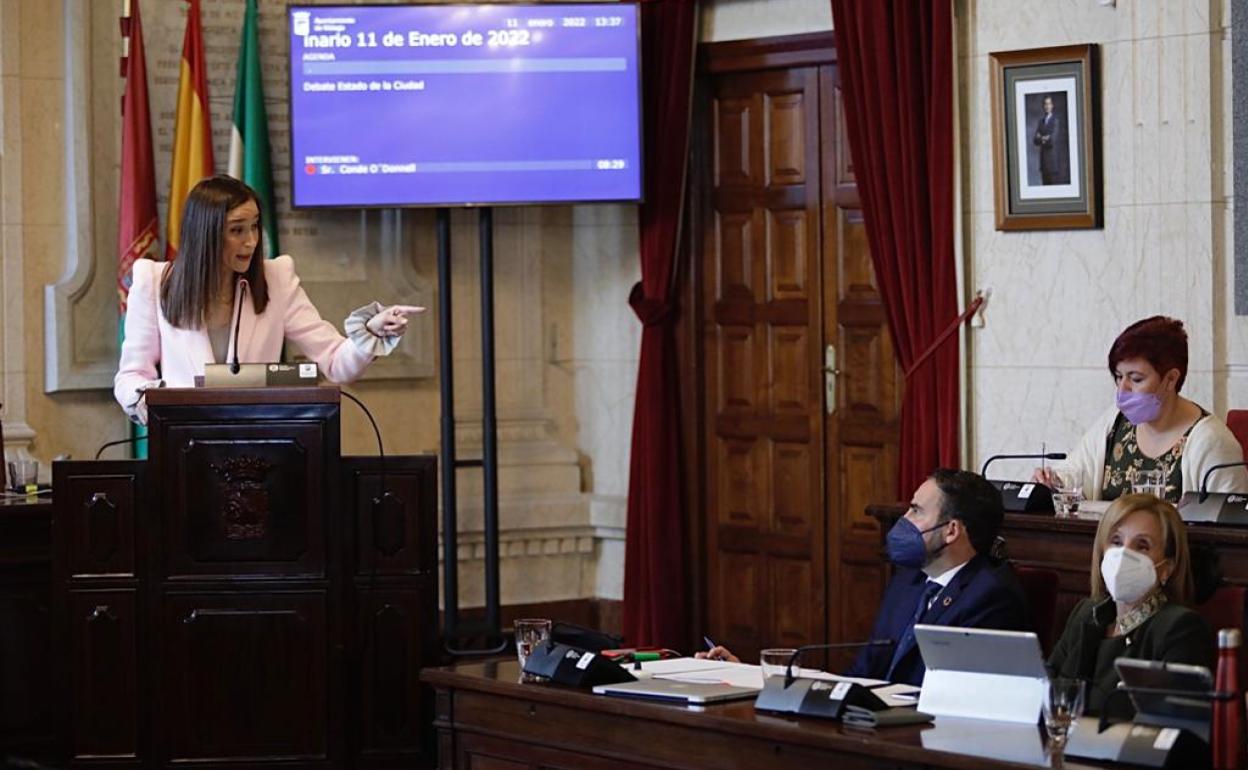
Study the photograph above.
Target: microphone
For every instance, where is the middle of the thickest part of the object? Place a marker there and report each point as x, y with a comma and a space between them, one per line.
1023, 496
118, 442
788, 671
818, 697
1207, 507
983, 471
1204, 482
238, 321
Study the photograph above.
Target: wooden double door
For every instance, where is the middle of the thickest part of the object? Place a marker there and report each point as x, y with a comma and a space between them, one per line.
800, 390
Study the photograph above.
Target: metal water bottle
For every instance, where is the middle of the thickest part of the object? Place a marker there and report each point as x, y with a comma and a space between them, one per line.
1228, 713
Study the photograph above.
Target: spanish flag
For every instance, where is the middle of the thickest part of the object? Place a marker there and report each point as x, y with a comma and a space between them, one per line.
192, 139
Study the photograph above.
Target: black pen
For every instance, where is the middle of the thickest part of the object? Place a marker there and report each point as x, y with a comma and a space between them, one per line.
710, 645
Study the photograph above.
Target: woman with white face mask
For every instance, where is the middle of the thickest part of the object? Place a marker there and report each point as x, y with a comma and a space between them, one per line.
1141, 589
1150, 426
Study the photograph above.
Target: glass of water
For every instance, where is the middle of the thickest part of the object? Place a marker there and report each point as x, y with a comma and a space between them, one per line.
1150, 482
774, 661
1063, 705
530, 632
1067, 489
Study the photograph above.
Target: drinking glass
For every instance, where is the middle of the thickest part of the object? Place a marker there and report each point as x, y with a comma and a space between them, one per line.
1063, 705
1150, 482
530, 632
23, 472
775, 660
1067, 492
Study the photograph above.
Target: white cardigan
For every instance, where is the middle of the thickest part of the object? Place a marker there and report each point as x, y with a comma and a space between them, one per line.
1209, 443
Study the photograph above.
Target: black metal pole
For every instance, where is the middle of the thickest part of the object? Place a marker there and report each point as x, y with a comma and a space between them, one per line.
446, 383
485, 227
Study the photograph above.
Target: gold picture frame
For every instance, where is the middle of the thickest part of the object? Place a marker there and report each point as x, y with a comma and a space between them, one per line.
1046, 138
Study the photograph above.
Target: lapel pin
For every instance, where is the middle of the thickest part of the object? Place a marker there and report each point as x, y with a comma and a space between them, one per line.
948, 600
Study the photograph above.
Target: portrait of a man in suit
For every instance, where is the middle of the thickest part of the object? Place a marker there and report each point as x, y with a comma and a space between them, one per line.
1049, 164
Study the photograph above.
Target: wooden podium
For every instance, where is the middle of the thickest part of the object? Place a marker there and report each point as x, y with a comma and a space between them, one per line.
245, 595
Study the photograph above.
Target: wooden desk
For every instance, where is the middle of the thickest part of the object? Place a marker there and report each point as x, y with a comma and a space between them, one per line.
25, 626
485, 719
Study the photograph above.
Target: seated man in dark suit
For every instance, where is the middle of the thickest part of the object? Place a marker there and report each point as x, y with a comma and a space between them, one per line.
943, 575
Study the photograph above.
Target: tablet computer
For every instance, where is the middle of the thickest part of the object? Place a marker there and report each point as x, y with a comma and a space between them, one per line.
1167, 694
980, 650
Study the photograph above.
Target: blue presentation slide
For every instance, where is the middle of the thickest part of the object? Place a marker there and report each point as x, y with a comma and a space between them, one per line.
463, 104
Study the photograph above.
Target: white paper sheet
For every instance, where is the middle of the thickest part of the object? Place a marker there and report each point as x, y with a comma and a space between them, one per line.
704, 671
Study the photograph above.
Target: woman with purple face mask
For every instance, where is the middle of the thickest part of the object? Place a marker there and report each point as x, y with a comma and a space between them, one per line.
1151, 427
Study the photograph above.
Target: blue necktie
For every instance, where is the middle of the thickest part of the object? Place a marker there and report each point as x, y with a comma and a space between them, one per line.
907, 638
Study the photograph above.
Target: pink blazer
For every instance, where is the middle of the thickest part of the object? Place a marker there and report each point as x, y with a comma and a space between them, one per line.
180, 354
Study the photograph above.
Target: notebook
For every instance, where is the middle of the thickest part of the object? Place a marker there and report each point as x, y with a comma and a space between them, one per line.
677, 692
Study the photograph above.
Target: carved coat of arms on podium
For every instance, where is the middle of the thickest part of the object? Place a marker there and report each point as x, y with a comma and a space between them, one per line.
244, 497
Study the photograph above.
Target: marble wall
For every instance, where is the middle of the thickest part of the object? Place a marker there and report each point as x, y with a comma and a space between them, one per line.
741, 19
1037, 368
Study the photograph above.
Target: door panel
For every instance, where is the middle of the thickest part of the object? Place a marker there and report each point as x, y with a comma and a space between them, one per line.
863, 467
786, 278
761, 336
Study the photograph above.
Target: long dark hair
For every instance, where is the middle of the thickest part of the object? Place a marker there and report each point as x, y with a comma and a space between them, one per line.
187, 289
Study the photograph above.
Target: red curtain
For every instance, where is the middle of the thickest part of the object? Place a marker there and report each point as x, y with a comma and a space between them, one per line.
896, 68
654, 573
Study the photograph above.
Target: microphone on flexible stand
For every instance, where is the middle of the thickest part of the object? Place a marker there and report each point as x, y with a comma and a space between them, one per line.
118, 442
238, 322
1023, 496
1215, 507
983, 471
818, 697
1204, 482
788, 671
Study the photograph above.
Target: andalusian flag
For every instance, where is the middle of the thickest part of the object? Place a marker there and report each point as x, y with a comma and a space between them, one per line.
192, 139
138, 235
249, 141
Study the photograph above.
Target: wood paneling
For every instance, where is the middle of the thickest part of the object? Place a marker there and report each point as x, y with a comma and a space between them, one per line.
102, 523
26, 725
786, 277
868, 388
104, 675
246, 596
764, 429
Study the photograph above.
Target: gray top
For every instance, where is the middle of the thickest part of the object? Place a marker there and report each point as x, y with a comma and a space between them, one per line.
220, 339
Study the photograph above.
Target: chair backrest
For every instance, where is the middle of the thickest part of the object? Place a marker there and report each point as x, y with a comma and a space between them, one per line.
1226, 609
1040, 585
1237, 421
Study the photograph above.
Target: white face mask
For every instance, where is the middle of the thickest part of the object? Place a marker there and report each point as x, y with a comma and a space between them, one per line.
1129, 575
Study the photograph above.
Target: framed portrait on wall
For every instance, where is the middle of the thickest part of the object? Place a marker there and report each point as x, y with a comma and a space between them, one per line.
1046, 138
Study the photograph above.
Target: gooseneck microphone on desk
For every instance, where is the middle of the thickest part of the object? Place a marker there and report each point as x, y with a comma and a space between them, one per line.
1215, 507
818, 697
983, 471
118, 442
1023, 496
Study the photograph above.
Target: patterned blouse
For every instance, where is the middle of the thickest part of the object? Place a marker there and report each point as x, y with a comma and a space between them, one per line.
1123, 459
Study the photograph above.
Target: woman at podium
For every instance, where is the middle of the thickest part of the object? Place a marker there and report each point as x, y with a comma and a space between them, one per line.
221, 301
1151, 427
